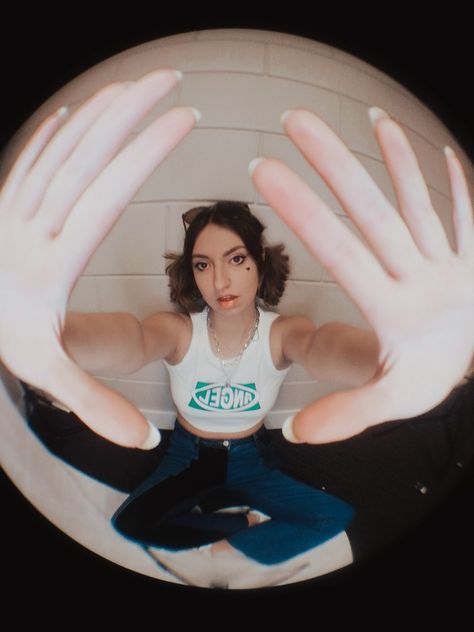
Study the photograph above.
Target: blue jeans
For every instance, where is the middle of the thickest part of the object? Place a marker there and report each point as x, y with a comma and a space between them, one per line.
174, 507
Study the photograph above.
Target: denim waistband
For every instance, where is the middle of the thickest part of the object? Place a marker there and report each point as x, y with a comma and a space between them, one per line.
217, 443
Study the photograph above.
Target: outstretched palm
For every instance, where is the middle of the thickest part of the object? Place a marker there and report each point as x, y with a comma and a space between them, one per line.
415, 292
61, 198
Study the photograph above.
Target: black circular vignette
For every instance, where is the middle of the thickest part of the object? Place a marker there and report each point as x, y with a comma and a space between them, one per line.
41, 58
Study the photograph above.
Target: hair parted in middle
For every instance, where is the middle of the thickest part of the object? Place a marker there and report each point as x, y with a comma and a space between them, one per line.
272, 264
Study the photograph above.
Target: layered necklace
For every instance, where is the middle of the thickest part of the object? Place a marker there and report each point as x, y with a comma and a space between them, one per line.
230, 366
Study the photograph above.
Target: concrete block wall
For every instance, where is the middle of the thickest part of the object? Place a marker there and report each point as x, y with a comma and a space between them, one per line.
241, 81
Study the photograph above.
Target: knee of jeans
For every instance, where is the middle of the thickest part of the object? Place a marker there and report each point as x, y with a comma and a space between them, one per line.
336, 517
347, 512
343, 514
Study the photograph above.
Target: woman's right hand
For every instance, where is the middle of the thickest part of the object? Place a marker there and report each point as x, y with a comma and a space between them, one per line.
59, 201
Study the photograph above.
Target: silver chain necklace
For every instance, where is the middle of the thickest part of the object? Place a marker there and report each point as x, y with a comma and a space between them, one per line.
233, 362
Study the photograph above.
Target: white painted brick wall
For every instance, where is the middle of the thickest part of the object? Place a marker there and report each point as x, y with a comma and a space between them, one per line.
242, 80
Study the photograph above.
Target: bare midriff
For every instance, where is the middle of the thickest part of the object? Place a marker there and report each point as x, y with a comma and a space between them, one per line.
217, 435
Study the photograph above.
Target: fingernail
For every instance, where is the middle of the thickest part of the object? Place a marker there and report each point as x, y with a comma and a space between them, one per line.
287, 430
153, 438
285, 115
253, 164
448, 151
62, 112
159, 74
376, 113
197, 114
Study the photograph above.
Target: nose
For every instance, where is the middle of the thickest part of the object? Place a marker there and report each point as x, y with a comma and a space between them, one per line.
221, 278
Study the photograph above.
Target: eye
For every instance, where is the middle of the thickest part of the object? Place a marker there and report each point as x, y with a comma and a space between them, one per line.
198, 264
240, 258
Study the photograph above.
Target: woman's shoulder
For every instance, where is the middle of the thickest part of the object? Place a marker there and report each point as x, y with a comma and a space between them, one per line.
289, 333
164, 334
291, 324
284, 333
185, 324
166, 319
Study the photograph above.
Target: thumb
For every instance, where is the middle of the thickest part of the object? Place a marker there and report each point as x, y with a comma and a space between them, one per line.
102, 409
337, 416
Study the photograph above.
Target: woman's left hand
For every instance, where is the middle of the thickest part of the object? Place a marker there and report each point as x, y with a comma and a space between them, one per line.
414, 290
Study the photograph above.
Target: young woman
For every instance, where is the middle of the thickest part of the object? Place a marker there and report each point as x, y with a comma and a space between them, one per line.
415, 291
227, 357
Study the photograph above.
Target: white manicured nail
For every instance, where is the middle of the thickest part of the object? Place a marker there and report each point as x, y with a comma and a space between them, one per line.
448, 152
376, 113
197, 114
285, 115
253, 164
153, 439
62, 112
179, 74
287, 430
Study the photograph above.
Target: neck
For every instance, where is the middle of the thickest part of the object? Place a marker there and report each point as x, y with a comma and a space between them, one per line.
233, 327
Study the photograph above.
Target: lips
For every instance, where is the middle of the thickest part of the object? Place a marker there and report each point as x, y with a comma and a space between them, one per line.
227, 297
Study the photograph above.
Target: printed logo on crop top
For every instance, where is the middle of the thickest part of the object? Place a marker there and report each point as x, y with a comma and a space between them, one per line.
218, 397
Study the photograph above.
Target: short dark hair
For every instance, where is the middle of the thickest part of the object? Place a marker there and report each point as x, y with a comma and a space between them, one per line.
272, 264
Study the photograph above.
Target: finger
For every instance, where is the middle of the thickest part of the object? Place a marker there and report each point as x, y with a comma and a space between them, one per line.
100, 144
36, 181
103, 410
410, 187
103, 202
462, 207
345, 257
363, 201
28, 155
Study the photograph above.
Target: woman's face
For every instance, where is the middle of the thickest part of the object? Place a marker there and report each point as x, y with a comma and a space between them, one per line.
225, 273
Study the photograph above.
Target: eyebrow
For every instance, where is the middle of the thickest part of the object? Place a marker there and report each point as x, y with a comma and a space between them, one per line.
228, 252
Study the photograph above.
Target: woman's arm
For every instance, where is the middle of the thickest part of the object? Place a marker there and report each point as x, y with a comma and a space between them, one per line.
334, 352
111, 342
349, 354
118, 342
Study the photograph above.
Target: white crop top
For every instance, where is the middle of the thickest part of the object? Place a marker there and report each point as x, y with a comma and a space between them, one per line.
198, 383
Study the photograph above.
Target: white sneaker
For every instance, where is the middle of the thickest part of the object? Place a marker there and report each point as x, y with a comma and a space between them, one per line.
236, 571
233, 570
195, 567
325, 558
